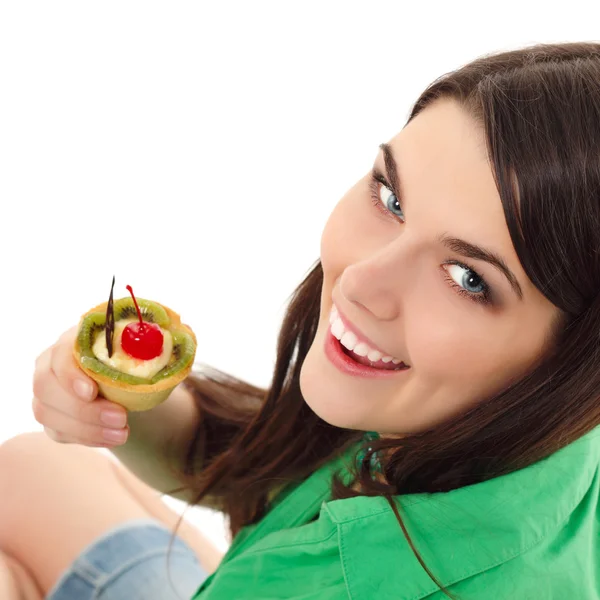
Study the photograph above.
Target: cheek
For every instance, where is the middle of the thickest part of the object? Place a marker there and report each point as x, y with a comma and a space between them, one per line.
465, 356
351, 232
336, 243
434, 342
328, 238
449, 346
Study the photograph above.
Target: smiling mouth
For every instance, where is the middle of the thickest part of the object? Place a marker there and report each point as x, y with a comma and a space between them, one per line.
379, 364
356, 347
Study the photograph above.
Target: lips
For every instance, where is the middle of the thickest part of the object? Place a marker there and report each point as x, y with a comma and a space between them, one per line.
357, 346
346, 363
379, 364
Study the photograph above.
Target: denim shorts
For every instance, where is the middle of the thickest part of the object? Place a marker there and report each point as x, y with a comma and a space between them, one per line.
132, 562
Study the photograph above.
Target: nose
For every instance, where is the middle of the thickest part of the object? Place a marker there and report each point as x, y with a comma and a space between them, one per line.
375, 283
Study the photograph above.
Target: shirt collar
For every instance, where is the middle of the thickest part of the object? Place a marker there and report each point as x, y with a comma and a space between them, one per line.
465, 531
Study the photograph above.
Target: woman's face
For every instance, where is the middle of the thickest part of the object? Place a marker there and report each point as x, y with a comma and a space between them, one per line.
427, 274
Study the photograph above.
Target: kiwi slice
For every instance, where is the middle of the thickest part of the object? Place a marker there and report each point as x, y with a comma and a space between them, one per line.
97, 366
93, 324
183, 354
90, 327
151, 312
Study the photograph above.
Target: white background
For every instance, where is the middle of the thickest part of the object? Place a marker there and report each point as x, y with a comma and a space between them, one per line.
195, 150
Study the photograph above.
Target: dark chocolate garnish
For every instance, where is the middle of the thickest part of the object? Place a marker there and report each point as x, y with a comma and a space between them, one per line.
110, 321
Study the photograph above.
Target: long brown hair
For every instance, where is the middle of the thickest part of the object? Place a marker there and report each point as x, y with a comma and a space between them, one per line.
540, 110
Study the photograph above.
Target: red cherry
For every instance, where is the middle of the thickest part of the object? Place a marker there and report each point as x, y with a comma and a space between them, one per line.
141, 340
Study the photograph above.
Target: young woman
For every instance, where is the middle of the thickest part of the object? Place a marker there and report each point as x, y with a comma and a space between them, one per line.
448, 446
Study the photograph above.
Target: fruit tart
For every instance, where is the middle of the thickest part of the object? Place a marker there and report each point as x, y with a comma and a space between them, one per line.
136, 350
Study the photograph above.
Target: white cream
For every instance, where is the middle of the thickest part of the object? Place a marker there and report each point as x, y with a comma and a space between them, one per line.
121, 361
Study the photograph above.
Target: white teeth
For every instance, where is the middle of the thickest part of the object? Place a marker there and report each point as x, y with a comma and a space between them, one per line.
337, 328
374, 355
362, 349
350, 341
333, 315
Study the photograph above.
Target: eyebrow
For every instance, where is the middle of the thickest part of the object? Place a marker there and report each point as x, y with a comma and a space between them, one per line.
391, 169
457, 245
478, 253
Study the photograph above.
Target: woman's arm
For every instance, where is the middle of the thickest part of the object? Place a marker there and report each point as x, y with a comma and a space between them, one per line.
159, 440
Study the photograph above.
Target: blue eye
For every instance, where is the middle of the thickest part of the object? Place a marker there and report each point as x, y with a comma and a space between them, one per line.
390, 201
464, 280
384, 198
467, 279
468, 283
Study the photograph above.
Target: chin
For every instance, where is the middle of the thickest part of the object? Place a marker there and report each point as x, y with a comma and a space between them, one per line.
325, 400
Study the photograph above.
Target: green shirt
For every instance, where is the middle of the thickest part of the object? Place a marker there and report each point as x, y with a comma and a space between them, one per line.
532, 534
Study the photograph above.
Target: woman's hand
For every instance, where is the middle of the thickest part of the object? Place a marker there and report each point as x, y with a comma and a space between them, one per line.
66, 400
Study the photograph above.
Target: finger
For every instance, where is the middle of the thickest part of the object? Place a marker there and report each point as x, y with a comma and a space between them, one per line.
42, 370
53, 435
46, 386
69, 335
63, 438
49, 395
42, 357
63, 428
70, 376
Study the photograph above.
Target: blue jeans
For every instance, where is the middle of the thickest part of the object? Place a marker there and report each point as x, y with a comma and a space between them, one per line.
132, 562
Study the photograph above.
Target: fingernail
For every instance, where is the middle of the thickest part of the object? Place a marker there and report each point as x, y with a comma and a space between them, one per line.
117, 436
83, 389
113, 418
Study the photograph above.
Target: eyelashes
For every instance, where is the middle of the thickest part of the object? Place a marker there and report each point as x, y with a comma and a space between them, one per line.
482, 297
377, 180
